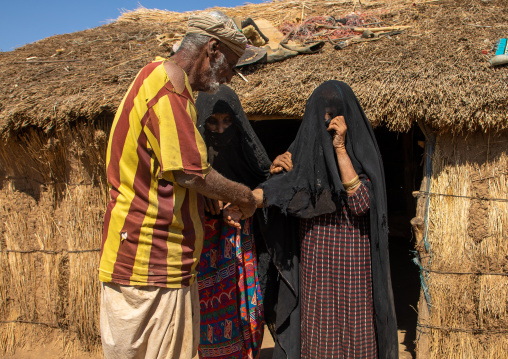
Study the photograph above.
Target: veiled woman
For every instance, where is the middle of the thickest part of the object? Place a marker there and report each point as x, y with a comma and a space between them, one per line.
336, 190
231, 304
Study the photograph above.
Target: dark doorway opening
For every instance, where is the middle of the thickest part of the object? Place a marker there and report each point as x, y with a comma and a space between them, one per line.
402, 158
276, 135
403, 163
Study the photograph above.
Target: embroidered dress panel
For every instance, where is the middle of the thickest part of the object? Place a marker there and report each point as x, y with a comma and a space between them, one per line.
230, 296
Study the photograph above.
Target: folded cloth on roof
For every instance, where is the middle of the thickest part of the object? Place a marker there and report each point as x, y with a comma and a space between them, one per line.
269, 54
227, 33
271, 32
279, 54
251, 55
309, 49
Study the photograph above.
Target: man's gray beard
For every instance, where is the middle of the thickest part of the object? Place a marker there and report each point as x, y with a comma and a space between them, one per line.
214, 84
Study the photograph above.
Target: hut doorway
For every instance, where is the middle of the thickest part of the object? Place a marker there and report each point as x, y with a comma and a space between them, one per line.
403, 162
276, 135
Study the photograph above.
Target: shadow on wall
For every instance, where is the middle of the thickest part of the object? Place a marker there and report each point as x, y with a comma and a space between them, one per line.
75, 155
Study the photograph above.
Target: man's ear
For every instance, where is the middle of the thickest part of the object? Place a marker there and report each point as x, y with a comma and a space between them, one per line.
213, 48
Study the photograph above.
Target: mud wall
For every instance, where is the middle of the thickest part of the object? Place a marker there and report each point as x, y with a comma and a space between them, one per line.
465, 267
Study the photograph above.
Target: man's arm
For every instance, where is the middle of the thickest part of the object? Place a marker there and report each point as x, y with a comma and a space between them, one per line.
216, 186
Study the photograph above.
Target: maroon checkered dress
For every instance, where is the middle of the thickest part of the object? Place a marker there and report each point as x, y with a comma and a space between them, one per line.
336, 275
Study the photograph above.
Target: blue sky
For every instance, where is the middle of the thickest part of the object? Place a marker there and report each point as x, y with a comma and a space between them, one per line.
23, 22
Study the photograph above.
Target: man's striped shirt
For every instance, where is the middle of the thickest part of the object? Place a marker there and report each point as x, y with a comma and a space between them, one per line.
153, 228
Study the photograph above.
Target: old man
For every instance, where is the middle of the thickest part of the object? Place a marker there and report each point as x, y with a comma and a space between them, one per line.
158, 173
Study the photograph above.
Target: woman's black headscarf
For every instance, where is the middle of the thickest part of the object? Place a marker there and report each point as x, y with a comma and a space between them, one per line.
314, 187
236, 153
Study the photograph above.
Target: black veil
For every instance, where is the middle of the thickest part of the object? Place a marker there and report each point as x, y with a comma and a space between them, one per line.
314, 187
237, 153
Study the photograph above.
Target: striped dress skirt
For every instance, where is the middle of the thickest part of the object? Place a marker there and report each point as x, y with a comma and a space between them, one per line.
336, 283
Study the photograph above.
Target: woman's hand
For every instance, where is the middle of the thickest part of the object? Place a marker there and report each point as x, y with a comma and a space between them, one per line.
232, 215
281, 162
213, 206
339, 127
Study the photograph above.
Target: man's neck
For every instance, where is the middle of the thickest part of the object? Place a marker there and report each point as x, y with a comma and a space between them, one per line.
191, 68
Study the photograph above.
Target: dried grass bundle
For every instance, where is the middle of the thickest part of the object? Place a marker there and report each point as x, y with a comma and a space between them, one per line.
469, 251
52, 206
31, 281
82, 227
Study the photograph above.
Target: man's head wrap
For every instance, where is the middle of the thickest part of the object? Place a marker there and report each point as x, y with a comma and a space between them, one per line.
225, 32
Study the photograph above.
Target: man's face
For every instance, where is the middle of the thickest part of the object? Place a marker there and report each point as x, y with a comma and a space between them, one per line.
222, 62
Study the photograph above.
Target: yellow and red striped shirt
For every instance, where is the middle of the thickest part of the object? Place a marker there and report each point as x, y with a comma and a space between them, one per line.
153, 228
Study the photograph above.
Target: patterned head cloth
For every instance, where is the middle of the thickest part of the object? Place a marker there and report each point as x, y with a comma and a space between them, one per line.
227, 32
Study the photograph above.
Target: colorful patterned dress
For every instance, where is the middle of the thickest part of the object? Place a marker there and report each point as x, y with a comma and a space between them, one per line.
230, 296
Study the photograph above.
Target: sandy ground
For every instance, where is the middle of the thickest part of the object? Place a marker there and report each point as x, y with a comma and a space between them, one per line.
52, 351
405, 352
49, 351
267, 347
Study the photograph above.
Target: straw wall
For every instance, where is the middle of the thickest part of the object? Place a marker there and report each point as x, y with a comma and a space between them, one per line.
52, 199
467, 264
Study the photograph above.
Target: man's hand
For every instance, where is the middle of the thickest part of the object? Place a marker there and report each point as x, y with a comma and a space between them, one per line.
213, 206
281, 162
249, 207
338, 125
232, 215
258, 196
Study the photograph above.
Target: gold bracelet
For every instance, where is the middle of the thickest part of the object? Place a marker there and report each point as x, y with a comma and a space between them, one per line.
353, 187
351, 183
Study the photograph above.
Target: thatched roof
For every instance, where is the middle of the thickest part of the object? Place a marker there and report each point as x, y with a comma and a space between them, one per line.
435, 71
